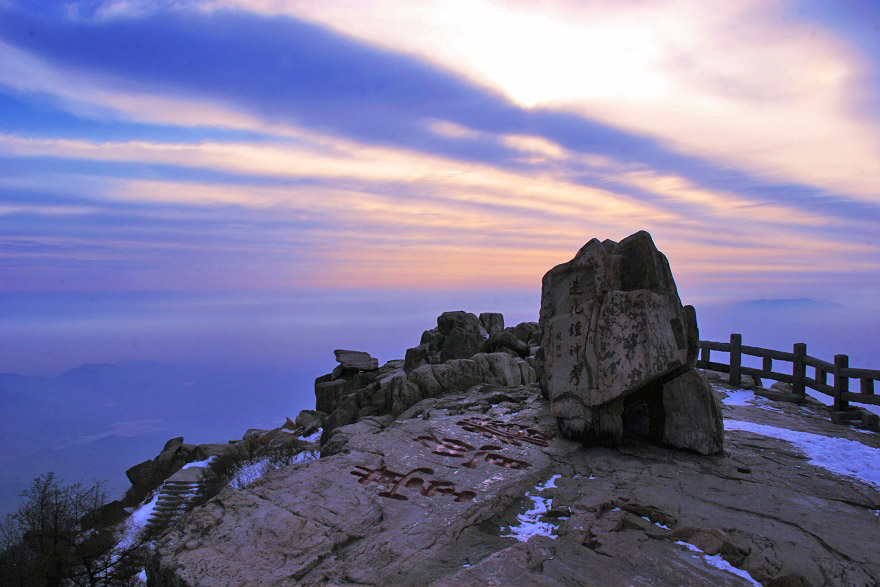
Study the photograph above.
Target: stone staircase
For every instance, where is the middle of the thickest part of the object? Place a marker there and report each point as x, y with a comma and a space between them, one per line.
175, 498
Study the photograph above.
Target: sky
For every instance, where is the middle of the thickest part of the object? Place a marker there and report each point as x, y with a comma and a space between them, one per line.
262, 181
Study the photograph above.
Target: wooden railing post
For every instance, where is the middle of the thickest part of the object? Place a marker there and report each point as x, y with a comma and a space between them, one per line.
841, 383
799, 368
735, 359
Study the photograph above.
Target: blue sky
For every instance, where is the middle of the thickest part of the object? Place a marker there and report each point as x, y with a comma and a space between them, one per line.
165, 164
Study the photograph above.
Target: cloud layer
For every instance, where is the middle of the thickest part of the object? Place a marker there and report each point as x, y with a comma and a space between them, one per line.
267, 144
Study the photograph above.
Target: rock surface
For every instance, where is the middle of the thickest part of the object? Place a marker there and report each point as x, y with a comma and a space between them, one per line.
435, 497
459, 335
613, 332
354, 361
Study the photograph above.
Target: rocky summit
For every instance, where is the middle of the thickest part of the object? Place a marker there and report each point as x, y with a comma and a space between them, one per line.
492, 456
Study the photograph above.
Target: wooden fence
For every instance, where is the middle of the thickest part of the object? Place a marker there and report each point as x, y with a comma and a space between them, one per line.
798, 378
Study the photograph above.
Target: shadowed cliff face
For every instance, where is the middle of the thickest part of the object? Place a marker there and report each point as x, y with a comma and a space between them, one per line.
478, 487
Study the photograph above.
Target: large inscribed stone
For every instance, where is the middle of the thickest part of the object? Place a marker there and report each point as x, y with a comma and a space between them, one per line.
612, 325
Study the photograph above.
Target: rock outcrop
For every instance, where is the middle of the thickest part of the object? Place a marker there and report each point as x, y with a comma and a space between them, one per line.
452, 357
149, 474
355, 370
616, 341
480, 488
458, 335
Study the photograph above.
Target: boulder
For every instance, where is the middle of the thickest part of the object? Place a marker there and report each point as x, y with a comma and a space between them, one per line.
329, 394
506, 339
693, 335
309, 421
459, 335
613, 329
463, 335
416, 357
332, 389
534, 343
457, 376
524, 330
148, 475
692, 414
492, 322
354, 361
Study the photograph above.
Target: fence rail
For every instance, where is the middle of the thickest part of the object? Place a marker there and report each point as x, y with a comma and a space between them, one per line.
798, 378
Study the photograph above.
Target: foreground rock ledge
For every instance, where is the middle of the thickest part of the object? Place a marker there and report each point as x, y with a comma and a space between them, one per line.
428, 499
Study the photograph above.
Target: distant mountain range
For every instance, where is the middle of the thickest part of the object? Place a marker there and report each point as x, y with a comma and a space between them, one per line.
786, 304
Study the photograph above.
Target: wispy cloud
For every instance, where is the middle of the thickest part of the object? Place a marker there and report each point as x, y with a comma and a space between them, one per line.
746, 83
423, 144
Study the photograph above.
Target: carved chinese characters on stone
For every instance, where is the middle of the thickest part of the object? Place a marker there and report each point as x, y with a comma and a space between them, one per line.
421, 480
455, 448
398, 481
504, 432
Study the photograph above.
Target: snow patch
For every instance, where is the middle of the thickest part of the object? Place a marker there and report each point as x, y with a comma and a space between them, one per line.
250, 472
658, 524
839, 455
743, 397
137, 521
530, 523
199, 464
314, 437
740, 397
716, 561
548, 484
306, 456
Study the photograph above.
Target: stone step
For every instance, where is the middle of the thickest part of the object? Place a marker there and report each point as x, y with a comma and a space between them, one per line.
168, 485
171, 500
183, 493
180, 488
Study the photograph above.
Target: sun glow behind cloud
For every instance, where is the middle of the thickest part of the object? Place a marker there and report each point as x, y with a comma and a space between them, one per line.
743, 82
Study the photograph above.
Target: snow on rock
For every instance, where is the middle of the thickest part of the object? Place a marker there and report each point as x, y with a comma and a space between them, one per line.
740, 397
201, 464
306, 456
137, 521
839, 455
743, 397
250, 472
314, 437
530, 523
716, 561
658, 524
548, 484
